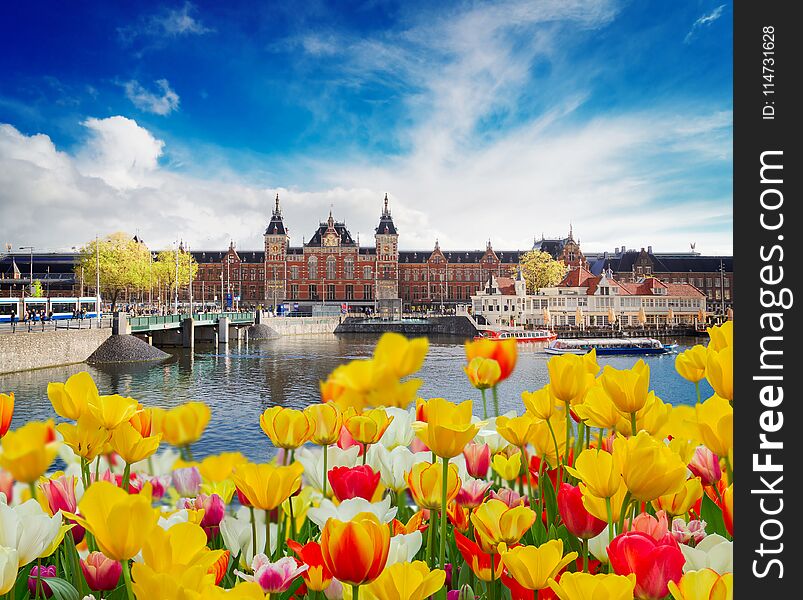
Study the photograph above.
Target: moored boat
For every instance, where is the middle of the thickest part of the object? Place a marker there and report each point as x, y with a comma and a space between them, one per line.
520, 335
609, 346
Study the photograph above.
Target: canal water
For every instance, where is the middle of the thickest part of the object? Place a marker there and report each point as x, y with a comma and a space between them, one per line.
242, 381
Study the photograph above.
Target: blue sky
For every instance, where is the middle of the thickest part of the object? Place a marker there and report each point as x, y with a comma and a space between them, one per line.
483, 120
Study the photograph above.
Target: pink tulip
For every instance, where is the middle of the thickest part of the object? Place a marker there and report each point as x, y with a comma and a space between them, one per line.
60, 494
101, 573
655, 563
472, 493
510, 497
274, 578
214, 510
705, 465
656, 527
39, 576
187, 481
684, 533
478, 459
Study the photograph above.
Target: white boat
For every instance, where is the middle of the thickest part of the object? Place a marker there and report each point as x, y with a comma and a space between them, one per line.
520, 335
609, 346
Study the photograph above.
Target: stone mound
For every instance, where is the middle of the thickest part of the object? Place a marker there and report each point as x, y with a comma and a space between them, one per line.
262, 332
126, 348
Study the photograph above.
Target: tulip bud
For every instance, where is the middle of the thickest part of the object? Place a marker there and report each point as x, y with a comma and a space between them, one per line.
60, 494
101, 573
466, 593
187, 481
510, 497
38, 577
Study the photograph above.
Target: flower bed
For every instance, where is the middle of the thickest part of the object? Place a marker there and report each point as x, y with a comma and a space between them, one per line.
598, 489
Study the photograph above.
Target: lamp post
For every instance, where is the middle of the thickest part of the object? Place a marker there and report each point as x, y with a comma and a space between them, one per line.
30, 288
176, 295
97, 278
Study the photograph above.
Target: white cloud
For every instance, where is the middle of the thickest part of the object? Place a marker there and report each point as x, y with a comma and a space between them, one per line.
704, 20
162, 102
166, 23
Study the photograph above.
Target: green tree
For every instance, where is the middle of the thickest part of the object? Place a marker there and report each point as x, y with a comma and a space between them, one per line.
36, 289
540, 270
124, 264
164, 269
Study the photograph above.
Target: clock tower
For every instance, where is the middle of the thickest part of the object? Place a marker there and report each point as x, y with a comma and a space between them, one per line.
277, 241
387, 256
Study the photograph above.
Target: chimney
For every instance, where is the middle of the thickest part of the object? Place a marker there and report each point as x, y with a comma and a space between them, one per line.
649, 249
623, 248
616, 250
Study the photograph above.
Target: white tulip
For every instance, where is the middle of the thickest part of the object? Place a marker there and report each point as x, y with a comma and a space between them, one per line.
312, 461
488, 434
403, 547
394, 465
162, 463
28, 529
348, 509
238, 536
9, 559
400, 431
598, 546
714, 552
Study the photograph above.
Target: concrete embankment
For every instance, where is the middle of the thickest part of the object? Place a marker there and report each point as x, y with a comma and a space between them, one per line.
25, 351
453, 326
303, 325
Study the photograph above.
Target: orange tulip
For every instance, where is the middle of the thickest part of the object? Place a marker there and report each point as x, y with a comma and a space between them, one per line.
426, 484
483, 373
503, 352
142, 421
356, 551
6, 412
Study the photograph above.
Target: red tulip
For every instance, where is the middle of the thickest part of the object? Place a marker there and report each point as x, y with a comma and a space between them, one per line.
478, 561
478, 459
655, 563
101, 573
535, 465
577, 519
317, 577
353, 482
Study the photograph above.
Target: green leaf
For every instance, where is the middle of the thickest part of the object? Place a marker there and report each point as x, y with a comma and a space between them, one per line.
465, 575
62, 590
712, 515
550, 500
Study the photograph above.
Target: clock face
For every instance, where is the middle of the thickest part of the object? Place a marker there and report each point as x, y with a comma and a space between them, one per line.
274, 248
330, 240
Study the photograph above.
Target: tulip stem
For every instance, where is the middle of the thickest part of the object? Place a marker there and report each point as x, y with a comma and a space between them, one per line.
484, 404
492, 583
729, 470
557, 453
430, 538
253, 531
97, 468
126, 476
585, 555
599, 440
127, 578
325, 469
39, 590
568, 431
355, 592
697, 389
623, 513
32, 486
610, 518
445, 488
364, 453
292, 518
633, 423
496, 401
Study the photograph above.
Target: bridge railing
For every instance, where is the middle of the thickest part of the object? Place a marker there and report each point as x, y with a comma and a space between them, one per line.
147, 323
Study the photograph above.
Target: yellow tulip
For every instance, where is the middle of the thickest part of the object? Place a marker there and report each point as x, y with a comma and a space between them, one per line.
598, 410
590, 361
218, 467
176, 549
715, 425
327, 422
448, 427
398, 394
193, 582
517, 430
131, 446
87, 438
402, 356
682, 423
183, 424
653, 417
495, 523
649, 468
407, 581
27, 452
681, 501
705, 584
369, 426
601, 472
598, 506
719, 372
721, 336
508, 468
533, 566
266, 486
544, 442
286, 427
627, 388
569, 377
584, 586
121, 522
225, 489
112, 411
540, 403
426, 484
691, 363
70, 399
483, 373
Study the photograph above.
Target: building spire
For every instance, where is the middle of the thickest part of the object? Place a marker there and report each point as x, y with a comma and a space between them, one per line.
571, 234
277, 212
385, 212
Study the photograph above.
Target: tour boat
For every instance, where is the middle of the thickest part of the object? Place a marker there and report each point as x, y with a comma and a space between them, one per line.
520, 335
609, 346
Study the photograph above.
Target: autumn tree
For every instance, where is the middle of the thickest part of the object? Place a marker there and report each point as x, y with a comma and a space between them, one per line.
540, 270
124, 264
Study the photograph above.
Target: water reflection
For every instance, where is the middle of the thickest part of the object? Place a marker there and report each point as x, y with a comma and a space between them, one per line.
240, 381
